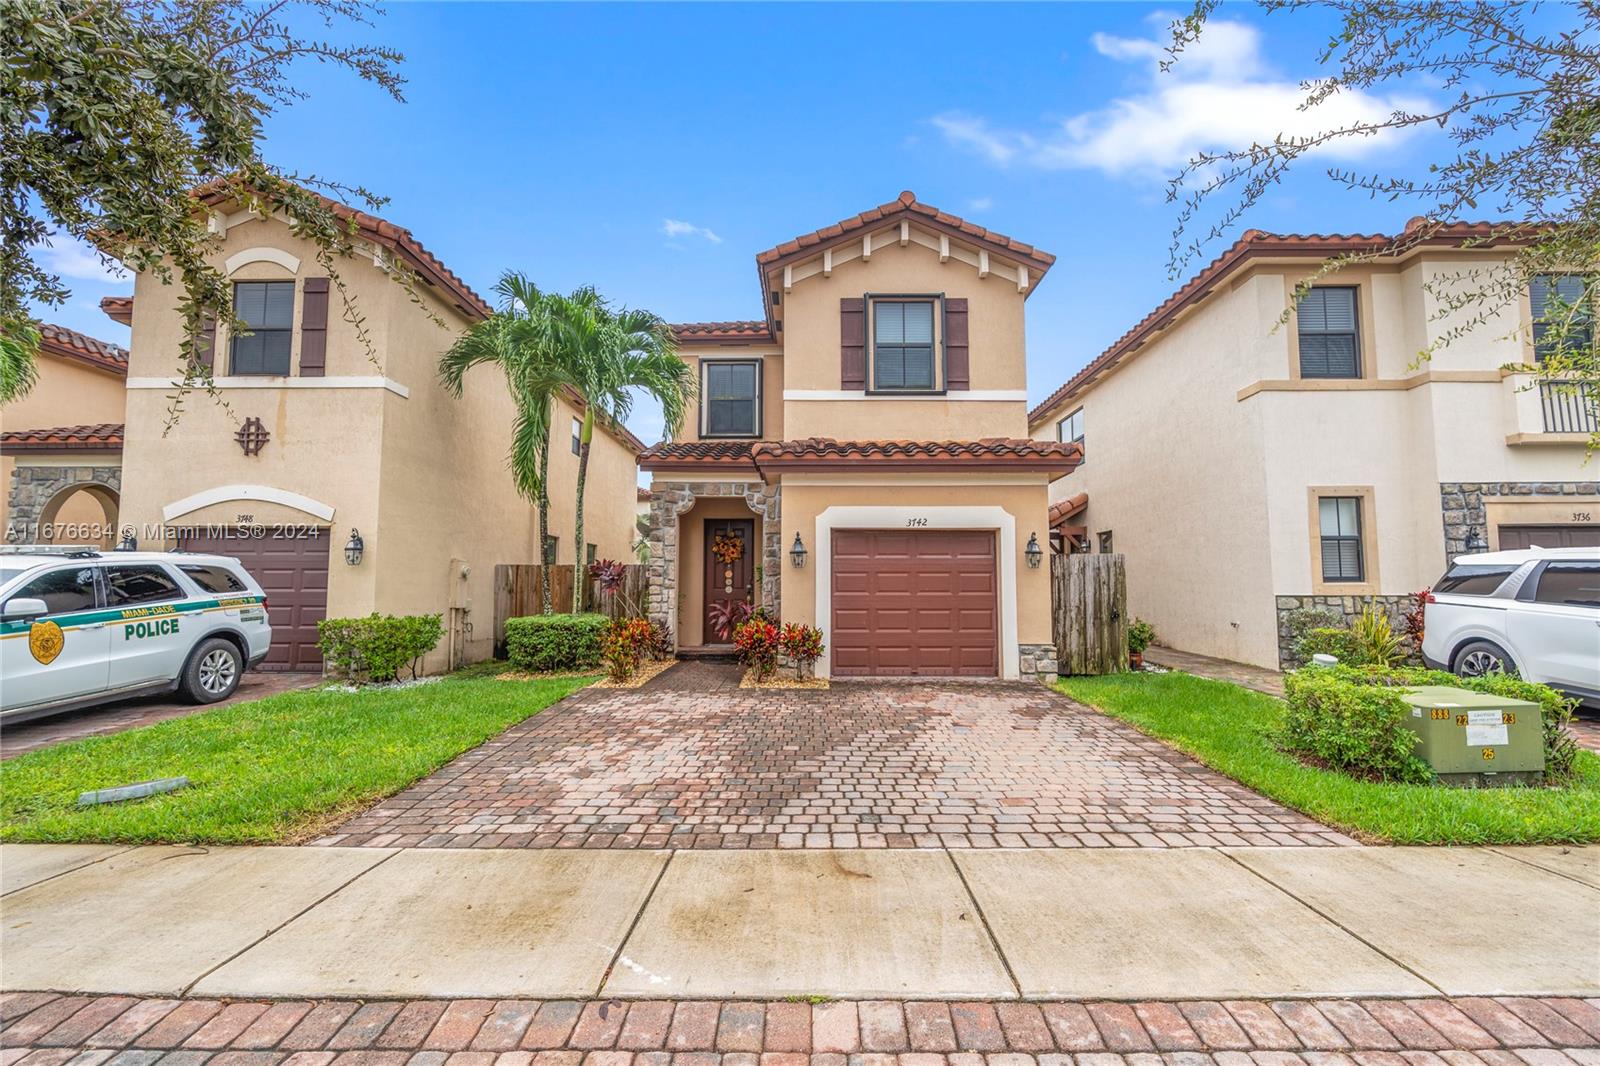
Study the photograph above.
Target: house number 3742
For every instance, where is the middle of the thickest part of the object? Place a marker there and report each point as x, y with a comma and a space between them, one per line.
916, 521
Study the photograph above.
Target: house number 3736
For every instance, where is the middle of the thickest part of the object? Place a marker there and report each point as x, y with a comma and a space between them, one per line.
916, 521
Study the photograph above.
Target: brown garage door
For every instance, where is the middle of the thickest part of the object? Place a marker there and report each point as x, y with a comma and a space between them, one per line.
914, 603
1512, 537
293, 571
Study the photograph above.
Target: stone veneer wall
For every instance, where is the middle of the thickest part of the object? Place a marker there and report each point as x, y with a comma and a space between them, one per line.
33, 487
1346, 606
668, 500
1039, 663
1465, 514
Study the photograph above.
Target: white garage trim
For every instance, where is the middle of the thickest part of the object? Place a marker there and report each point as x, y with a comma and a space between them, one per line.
261, 255
263, 493
900, 519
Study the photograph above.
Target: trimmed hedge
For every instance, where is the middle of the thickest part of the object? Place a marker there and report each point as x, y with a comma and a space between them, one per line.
377, 647
1337, 641
1350, 725
554, 642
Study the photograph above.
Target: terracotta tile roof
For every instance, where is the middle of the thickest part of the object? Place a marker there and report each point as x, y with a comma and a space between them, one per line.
1256, 244
1067, 508
746, 332
699, 455
118, 308
395, 238
906, 205
105, 437
70, 344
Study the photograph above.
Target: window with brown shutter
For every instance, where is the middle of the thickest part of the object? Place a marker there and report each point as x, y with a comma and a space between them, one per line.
853, 343
314, 328
957, 373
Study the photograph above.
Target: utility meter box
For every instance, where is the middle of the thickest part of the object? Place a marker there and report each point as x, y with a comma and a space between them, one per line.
1475, 739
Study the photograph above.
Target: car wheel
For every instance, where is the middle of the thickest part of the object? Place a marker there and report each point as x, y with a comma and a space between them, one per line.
1479, 657
213, 671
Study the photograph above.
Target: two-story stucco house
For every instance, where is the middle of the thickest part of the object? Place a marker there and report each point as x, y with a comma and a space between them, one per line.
1246, 468
321, 441
61, 444
859, 457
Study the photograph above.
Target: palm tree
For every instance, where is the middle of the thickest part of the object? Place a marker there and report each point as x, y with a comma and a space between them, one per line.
520, 338
608, 354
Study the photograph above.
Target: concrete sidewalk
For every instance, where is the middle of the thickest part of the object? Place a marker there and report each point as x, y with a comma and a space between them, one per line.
1195, 923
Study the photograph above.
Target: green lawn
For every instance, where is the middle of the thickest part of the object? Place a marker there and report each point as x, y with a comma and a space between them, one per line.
1231, 729
276, 770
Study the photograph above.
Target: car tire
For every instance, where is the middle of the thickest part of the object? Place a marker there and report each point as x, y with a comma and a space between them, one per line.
213, 671
1478, 657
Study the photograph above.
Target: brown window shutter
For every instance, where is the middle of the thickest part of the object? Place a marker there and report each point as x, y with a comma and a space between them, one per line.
205, 342
852, 343
314, 327
957, 372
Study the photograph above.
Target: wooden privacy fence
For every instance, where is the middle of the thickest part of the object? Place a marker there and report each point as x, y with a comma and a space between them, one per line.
1088, 599
519, 590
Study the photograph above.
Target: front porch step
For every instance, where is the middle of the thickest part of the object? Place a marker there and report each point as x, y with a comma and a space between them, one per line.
722, 653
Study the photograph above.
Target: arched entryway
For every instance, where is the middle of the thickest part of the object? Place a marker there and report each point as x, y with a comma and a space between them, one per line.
81, 513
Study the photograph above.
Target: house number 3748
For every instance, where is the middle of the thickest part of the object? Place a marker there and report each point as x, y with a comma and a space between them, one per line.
916, 521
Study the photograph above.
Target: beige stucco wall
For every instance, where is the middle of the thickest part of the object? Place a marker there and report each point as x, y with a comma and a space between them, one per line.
67, 393
996, 346
934, 499
1207, 493
422, 474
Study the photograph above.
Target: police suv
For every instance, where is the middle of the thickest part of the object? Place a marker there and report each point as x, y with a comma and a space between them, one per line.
78, 627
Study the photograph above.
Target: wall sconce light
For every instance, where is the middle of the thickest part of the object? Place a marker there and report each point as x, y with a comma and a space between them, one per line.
354, 547
797, 553
1033, 552
1476, 542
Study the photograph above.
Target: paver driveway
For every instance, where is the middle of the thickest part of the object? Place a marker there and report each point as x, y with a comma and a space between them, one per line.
691, 763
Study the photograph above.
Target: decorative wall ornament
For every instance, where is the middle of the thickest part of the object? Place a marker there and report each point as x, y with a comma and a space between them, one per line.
252, 436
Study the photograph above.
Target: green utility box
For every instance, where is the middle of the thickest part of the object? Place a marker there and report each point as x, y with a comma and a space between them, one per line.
1475, 739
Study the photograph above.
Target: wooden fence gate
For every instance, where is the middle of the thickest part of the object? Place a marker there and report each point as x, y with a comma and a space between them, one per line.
1088, 599
519, 591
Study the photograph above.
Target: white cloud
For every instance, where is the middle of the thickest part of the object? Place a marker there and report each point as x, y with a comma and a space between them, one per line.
673, 227
1220, 94
980, 203
69, 257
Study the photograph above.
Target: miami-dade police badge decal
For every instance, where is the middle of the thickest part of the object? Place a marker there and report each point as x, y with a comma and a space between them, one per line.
45, 641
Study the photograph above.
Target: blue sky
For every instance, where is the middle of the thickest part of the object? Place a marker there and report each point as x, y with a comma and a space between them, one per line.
652, 150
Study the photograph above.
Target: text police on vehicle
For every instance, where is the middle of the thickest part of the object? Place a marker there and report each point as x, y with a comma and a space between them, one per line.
79, 628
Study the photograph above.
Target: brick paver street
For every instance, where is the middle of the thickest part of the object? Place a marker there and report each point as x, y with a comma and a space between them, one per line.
45, 1029
860, 765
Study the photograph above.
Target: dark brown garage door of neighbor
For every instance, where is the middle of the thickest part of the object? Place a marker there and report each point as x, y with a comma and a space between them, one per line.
922, 603
1512, 537
292, 568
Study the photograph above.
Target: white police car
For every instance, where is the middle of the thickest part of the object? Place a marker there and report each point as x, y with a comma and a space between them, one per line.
78, 627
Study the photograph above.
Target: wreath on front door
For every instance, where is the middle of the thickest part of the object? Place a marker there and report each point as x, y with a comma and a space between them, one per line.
727, 549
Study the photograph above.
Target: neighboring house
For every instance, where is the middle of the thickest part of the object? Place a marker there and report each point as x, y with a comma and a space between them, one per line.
61, 444
876, 419
1247, 468
318, 439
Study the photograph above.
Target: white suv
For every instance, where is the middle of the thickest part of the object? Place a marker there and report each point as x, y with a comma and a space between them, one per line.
79, 628
1533, 612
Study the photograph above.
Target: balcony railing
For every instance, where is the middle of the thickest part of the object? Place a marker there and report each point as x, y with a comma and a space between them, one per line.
1569, 407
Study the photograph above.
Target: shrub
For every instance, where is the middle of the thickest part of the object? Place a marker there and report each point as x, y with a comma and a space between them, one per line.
1303, 620
546, 642
1330, 640
660, 642
1140, 635
803, 644
1560, 749
726, 616
624, 647
1415, 618
756, 642
1356, 728
1376, 639
377, 647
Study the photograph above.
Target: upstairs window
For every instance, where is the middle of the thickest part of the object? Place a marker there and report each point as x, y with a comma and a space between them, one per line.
1329, 335
1070, 429
1339, 521
902, 346
577, 436
267, 308
1563, 315
732, 399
